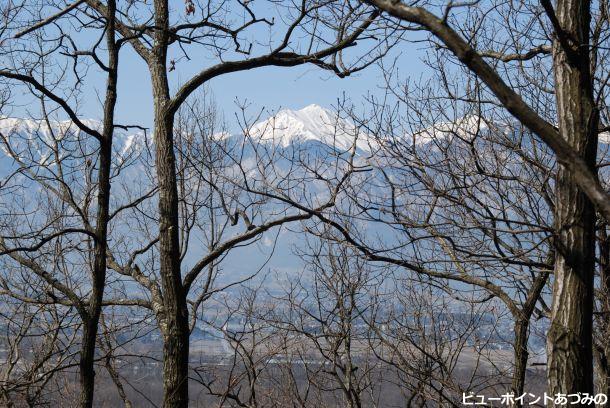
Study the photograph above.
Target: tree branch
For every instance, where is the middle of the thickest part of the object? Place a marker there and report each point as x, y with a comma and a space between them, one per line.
566, 156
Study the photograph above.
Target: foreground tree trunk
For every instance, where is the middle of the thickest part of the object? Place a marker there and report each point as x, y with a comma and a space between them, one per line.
92, 316
603, 345
522, 326
86, 366
174, 319
173, 315
569, 340
91, 321
521, 356
175, 363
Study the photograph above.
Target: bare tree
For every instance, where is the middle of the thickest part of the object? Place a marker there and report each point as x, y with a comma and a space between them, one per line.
232, 190
38, 342
323, 309
438, 348
89, 305
462, 201
156, 32
572, 35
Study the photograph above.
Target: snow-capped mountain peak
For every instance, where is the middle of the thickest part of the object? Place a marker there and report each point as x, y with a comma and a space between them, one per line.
311, 123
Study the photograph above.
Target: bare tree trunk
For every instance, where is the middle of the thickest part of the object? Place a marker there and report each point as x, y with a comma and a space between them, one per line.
521, 355
569, 341
603, 372
174, 322
91, 320
174, 325
522, 325
87, 356
175, 364
603, 346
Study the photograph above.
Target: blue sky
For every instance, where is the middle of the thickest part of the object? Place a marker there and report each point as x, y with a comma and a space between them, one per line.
269, 87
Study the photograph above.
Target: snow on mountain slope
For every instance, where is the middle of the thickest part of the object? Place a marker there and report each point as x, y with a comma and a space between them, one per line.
312, 123
28, 129
31, 127
466, 128
287, 127
604, 137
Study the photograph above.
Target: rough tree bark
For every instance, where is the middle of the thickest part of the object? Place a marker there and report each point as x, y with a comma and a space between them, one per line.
603, 346
522, 326
521, 356
569, 340
174, 321
92, 317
